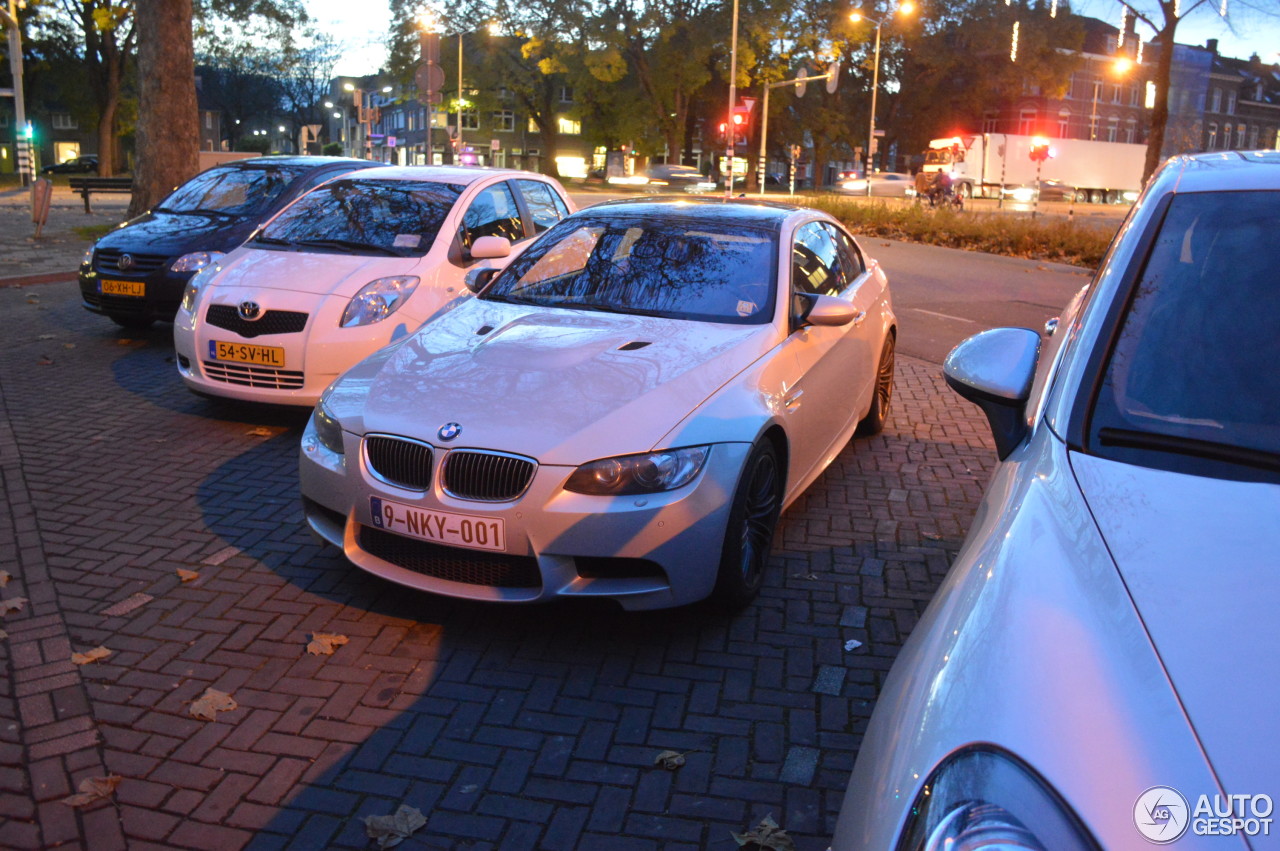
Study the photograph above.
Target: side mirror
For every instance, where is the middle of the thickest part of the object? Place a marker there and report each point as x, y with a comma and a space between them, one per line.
478, 279
490, 248
994, 370
824, 310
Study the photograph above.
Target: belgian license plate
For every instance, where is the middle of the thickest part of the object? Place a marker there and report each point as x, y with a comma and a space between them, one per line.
137, 289
247, 353
452, 530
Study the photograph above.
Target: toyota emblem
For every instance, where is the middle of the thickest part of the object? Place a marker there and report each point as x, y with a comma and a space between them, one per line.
125, 262
250, 310
449, 431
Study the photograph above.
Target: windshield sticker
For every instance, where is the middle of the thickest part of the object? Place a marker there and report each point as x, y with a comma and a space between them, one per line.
746, 308
408, 240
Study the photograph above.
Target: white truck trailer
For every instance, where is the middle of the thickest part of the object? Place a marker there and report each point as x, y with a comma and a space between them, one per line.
991, 164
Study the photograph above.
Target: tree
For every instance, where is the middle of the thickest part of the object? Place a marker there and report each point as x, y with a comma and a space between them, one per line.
168, 123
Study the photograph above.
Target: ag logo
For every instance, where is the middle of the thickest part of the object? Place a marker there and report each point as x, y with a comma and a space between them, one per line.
449, 431
250, 310
1161, 814
125, 262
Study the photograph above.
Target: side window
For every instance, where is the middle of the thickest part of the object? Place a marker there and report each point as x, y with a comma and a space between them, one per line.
544, 205
851, 262
492, 213
814, 264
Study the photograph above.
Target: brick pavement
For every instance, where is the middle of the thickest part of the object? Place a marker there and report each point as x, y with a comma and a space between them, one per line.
513, 728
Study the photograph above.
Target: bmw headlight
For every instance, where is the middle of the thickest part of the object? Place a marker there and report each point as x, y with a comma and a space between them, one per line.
326, 427
377, 300
651, 472
982, 799
195, 261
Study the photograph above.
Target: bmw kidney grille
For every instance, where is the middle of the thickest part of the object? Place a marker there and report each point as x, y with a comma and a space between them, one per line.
403, 463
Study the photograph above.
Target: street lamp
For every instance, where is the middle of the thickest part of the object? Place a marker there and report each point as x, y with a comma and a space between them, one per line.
906, 9
1120, 67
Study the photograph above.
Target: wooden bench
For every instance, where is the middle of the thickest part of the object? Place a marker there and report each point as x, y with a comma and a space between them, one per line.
89, 185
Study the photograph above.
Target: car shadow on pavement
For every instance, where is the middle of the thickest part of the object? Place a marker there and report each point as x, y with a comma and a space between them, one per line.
540, 726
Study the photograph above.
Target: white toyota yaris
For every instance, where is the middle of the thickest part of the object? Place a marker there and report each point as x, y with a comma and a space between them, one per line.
346, 269
622, 412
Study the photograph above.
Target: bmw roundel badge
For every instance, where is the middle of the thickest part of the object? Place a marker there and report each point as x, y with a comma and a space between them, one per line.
449, 431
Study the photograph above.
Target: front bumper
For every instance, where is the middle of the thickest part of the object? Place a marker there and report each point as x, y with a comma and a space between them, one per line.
646, 552
162, 293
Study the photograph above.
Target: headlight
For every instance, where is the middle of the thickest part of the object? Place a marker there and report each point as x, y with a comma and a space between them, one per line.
984, 799
377, 300
1023, 193
87, 259
192, 290
195, 261
328, 432
651, 472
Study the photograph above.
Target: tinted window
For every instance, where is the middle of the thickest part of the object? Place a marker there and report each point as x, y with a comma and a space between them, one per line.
544, 204
1194, 367
700, 271
234, 191
492, 213
847, 255
814, 264
391, 217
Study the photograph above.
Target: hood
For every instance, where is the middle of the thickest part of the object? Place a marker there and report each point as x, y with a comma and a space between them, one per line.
258, 269
173, 234
561, 386
1198, 556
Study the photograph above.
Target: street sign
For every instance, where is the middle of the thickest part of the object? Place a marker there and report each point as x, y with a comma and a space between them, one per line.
800, 81
429, 79
834, 79
495, 145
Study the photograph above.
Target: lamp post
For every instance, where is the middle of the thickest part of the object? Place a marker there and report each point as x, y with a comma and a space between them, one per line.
906, 9
731, 135
26, 167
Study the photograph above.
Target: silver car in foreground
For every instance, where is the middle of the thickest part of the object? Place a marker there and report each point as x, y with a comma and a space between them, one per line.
1098, 668
622, 412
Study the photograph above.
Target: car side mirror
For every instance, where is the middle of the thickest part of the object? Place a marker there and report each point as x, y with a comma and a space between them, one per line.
823, 310
994, 370
478, 279
490, 248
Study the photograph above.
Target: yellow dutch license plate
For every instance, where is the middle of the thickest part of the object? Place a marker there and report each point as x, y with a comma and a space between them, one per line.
137, 289
442, 527
247, 353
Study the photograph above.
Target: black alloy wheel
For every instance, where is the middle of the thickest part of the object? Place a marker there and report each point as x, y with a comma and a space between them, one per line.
882, 396
748, 538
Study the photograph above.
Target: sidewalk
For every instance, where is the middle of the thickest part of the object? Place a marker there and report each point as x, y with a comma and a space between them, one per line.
56, 255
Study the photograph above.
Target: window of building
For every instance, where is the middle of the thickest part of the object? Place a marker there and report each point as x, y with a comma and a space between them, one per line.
1131, 131
4, 120
1064, 123
1115, 93
1215, 101
1239, 135
990, 122
1253, 137
566, 94
1113, 128
533, 125
1231, 103
208, 121
569, 126
1135, 95
470, 119
1027, 122
62, 121
504, 121
1211, 140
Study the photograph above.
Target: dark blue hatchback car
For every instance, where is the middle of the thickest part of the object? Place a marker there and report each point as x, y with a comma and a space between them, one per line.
136, 274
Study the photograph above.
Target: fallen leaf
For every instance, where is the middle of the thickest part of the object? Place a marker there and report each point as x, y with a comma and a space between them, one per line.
32, 300
46, 336
93, 789
324, 643
44, 361
804, 576
188, 575
766, 834
260, 431
12, 605
670, 760
209, 704
932, 536
391, 830
5, 576
3, 634
852, 644
90, 656
68, 345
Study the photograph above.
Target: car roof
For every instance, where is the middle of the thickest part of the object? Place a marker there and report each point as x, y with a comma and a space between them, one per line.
752, 212
456, 174
1227, 170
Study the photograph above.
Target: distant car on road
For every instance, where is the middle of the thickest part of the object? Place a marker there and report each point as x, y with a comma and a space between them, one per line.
77, 165
136, 273
884, 184
683, 177
355, 264
623, 412
1088, 674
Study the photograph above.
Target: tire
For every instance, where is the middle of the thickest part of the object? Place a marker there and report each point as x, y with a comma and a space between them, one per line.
964, 190
133, 323
882, 395
748, 535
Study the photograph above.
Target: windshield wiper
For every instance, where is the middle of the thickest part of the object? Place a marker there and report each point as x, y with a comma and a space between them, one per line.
1134, 439
348, 243
271, 240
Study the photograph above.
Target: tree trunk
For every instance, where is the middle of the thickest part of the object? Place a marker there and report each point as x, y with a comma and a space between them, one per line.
1160, 111
107, 136
168, 137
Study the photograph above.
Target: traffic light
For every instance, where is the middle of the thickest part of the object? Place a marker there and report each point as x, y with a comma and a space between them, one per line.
1040, 150
741, 124
28, 132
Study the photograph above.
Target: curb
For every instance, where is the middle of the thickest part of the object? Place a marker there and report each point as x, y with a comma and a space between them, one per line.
29, 280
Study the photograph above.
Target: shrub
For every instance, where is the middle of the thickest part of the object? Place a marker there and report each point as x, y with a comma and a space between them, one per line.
332, 149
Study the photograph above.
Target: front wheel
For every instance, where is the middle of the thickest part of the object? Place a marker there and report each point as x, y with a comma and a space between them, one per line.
748, 536
882, 396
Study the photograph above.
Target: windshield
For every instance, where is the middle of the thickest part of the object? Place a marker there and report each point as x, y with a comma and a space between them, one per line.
1195, 368
232, 191
697, 270
400, 217
937, 156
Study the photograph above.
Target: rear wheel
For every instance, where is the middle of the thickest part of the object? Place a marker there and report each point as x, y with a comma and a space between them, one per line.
133, 323
874, 421
748, 537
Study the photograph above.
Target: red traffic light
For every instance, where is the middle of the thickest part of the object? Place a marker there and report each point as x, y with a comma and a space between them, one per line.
1040, 150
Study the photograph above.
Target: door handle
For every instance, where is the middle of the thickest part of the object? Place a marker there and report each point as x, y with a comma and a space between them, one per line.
793, 400
859, 318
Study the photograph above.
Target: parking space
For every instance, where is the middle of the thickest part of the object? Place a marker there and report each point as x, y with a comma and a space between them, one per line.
507, 727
